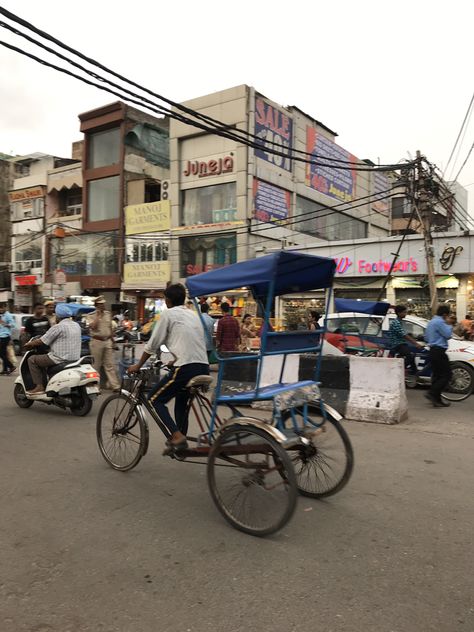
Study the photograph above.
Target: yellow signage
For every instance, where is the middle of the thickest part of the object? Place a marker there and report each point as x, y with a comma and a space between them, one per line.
146, 275
147, 218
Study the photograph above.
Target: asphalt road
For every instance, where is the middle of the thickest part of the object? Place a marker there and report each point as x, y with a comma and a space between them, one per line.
85, 548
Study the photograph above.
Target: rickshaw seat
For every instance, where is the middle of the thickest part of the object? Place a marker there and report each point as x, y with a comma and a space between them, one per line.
264, 393
199, 380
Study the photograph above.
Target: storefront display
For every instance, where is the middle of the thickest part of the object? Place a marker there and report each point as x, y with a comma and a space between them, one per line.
296, 311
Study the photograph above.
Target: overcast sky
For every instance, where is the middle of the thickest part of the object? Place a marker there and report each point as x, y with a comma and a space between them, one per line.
389, 77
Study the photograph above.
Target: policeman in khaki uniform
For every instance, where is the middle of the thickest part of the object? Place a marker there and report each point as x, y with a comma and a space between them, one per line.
101, 343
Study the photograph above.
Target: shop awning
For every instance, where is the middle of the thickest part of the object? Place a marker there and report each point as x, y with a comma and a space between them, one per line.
447, 283
406, 282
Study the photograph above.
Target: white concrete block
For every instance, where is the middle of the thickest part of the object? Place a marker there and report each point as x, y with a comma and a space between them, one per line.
377, 390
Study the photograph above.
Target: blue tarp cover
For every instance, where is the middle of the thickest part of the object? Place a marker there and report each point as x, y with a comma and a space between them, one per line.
78, 309
361, 307
292, 272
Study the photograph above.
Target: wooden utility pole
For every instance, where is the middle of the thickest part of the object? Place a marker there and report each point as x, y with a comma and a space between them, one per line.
424, 210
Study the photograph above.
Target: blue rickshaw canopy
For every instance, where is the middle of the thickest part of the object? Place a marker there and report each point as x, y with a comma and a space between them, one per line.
362, 307
291, 272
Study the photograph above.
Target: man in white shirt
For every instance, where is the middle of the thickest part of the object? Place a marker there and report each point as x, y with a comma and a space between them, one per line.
181, 331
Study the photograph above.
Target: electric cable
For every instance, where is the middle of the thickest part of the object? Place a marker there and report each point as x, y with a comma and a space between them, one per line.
466, 116
220, 125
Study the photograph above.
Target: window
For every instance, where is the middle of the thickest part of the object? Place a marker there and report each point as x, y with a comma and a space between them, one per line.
147, 250
28, 209
209, 205
85, 254
28, 256
199, 254
325, 223
152, 191
70, 202
22, 169
400, 208
103, 199
104, 148
414, 329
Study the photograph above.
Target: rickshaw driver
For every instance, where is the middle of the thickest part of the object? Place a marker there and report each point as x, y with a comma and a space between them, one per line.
181, 331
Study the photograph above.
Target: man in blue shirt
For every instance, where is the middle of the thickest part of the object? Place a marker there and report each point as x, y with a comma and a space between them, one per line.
437, 334
399, 339
7, 322
209, 323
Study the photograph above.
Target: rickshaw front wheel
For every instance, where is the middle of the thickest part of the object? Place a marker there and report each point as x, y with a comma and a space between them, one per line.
251, 480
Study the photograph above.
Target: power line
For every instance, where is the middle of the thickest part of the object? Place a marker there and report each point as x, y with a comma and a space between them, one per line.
222, 130
220, 125
466, 116
464, 163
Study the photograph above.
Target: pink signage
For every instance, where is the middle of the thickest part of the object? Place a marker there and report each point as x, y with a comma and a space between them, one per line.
382, 266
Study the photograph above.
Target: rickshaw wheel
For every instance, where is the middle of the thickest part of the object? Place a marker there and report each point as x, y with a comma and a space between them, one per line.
325, 466
251, 480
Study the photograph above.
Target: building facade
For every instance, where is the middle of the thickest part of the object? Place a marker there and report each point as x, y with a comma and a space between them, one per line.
363, 265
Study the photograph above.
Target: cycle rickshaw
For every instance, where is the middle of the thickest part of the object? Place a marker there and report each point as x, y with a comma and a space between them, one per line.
255, 467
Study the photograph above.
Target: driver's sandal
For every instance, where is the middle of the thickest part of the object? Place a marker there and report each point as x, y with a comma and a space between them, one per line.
171, 448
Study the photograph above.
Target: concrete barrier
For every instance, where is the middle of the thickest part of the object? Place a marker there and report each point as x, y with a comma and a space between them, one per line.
377, 390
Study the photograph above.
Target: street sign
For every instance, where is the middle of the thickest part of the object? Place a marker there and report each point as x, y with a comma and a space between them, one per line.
59, 277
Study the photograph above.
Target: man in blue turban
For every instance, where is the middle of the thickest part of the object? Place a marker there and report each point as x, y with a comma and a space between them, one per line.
64, 341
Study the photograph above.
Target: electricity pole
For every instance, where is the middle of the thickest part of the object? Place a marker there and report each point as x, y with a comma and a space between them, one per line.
424, 210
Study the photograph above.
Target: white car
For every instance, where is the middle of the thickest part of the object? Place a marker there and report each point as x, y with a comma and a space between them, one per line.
348, 332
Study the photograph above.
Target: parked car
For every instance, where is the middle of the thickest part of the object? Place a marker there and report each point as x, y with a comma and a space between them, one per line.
350, 330
19, 336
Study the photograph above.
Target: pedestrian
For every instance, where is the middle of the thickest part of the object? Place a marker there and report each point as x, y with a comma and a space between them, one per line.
400, 340
228, 331
38, 324
313, 320
247, 332
209, 324
7, 322
467, 325
49, 307
437, 334
101, 344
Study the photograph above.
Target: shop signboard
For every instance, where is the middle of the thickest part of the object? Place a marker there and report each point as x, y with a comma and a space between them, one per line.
339, 184
26, 280
273, 128
26, 194
147, 218
271, 203
145, 275
380, 189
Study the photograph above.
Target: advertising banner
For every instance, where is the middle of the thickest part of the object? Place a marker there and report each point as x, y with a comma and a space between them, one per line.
147, 218
339, 184
380, 187
273, 126
270, 203
146, 275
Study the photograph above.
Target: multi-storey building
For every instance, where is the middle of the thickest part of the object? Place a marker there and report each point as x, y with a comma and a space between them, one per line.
104, 249
27, 213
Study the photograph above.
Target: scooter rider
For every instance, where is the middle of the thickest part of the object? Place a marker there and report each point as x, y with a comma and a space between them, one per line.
64, 341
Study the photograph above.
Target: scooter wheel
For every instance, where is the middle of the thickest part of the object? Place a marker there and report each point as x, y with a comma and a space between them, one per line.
20, 397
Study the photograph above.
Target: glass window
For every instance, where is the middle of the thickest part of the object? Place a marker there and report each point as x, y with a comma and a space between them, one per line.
30, 254
199, 254
414, 329
103, 199
85, 254
209, 205
400, 207
104, 148
28, 208
147, 250
325, 223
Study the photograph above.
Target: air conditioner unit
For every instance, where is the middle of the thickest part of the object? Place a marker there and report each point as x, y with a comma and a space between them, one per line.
165, 189
20, 266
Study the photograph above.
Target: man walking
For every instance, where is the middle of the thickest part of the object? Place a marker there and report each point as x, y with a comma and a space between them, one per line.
6, 323
101, 344
228, 331
38, 324
437, 334
50, 314
209, 323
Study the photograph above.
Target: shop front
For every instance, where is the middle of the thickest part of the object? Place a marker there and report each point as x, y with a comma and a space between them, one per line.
362, 268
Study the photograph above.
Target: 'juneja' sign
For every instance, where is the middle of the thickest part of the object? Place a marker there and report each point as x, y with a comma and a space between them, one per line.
206, 168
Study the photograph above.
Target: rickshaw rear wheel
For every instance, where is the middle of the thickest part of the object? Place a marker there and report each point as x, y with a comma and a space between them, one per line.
251, 480
325, 466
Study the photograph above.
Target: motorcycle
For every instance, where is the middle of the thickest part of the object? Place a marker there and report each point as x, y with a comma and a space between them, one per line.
72, 385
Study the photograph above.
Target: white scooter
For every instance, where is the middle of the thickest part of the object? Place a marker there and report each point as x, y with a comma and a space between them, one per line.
71, 385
